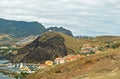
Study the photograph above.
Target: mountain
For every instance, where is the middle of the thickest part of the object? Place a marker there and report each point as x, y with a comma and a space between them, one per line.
23, 28
45, 47
61, 30
20, 28
48, 46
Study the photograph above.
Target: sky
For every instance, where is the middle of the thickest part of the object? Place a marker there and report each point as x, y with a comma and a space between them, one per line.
82, 17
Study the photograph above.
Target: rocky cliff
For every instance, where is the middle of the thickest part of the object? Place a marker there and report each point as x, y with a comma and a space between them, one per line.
46, 47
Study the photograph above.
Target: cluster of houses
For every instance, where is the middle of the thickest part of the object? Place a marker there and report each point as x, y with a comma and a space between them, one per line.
60, 60
8, 49
88, 49
3, 47
31, 68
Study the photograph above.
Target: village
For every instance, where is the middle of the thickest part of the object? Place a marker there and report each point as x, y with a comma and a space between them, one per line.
31, 68
86, 50
4, 50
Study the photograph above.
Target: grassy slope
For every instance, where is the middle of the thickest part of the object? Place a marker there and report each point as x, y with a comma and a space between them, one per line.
99, 66
75, 43
108, 38
8, 39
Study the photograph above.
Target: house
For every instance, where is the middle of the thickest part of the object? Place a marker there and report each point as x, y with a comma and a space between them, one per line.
3, 47
49, 63
87, 49
87, 46
79, 56
42, 66
21, 65
14, 52
68, 59
59, 60
25, 68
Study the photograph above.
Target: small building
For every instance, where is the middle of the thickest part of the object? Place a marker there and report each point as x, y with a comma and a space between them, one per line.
72, 58
87, 49
59, 60
14, 52
3, 47
49, 63
21, 65
25, 68
42, 66
67, 59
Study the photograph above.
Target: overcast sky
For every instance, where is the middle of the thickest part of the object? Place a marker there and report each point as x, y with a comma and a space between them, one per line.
82, 17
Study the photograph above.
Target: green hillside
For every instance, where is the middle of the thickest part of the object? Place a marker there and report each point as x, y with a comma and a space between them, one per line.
20, 28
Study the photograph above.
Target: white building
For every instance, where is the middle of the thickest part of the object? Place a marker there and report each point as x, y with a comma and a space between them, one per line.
59, 60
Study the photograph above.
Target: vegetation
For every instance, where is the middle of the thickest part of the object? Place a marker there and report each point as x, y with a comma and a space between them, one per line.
49, 44
103, 65
75, 44
94, 66
20, 28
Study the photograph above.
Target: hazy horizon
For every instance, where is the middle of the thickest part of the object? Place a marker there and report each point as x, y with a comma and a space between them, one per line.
82, 17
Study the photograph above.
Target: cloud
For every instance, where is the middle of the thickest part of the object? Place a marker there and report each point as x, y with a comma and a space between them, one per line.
83, 17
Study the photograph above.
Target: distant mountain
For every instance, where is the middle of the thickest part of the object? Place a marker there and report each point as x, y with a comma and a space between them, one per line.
23, 29
61, 30
84, 37
20, 28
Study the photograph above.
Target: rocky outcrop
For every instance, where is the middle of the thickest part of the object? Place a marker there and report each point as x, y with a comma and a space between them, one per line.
46, 47
61, 30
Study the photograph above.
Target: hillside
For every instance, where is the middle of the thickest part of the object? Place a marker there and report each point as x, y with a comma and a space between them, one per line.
23, 28
99, 66
5, 36
45, 47
75, 43
48, 44
20, 28
6, 39
24, 41
107, 38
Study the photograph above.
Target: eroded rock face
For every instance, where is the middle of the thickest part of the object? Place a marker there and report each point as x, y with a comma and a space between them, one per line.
46, 47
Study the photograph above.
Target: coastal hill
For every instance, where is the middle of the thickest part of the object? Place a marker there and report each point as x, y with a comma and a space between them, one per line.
48, 46
54, 44
45, 47
12, 31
